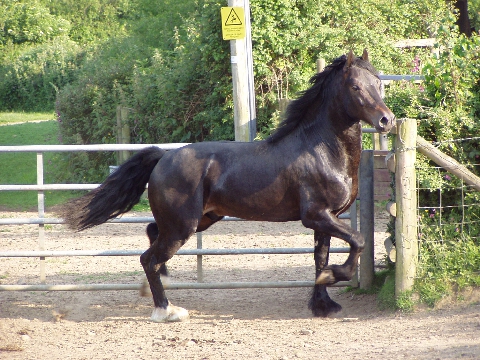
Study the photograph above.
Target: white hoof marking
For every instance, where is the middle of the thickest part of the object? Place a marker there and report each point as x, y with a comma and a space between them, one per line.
170, 314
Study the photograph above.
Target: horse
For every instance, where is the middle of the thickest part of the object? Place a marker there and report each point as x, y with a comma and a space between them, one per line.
306, 170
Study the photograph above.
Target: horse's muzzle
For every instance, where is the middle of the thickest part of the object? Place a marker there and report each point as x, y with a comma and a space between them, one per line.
386, 122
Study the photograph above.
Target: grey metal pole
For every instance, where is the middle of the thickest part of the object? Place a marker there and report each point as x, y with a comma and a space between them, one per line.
199, 258
41, 214
173, 286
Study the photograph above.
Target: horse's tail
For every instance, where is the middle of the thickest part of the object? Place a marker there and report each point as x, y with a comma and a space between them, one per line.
116, 195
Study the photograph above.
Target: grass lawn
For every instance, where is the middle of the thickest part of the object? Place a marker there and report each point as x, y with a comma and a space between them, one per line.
21, 168
19, 117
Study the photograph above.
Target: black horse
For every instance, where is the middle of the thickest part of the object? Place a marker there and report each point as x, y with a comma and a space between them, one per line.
306, 170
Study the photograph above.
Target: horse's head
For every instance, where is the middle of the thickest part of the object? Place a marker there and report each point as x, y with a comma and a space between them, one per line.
363, 96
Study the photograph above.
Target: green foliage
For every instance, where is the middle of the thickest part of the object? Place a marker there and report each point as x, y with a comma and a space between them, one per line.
36, 57
185, 95
446, 267
180, 87
93, 20
143, 205
404, 98
158, 23
386, 295
29, 22
43, 43
474, 14
384, 283
31, 81
452, 88
449, 239
405, 302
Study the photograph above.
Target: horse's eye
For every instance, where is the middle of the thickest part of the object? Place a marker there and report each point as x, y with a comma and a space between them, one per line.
355, 87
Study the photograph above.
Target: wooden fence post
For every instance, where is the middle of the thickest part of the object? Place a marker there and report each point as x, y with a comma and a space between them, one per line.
406, 208
320, 65
123, 133
367, 219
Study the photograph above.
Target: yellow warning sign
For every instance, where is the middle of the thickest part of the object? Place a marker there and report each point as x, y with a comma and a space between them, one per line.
233, 23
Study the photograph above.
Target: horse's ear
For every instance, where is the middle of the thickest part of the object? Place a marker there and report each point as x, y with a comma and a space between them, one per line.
350, 59
365, 55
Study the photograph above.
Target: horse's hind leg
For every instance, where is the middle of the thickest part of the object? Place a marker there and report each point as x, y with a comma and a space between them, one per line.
152, 233
152, 261
320, 302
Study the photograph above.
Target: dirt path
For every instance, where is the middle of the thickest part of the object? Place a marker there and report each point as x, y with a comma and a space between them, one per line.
224, 324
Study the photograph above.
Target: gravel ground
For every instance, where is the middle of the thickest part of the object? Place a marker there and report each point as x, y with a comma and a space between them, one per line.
223, 324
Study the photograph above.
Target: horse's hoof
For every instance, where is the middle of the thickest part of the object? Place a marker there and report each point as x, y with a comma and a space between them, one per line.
326, 277
170, 314
326, 309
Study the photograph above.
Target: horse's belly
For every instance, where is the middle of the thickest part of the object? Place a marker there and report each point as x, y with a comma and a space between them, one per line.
257, 211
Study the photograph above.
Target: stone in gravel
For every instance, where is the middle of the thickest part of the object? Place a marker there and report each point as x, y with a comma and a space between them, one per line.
306, 332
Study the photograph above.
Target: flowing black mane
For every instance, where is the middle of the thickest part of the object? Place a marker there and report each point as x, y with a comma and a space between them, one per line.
298, 108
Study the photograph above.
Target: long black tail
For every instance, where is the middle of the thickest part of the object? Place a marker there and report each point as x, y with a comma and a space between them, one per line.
116, 195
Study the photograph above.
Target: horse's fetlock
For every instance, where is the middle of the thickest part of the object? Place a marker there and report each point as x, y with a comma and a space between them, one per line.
358, 242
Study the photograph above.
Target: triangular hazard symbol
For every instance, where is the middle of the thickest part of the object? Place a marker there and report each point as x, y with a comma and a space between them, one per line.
233, 19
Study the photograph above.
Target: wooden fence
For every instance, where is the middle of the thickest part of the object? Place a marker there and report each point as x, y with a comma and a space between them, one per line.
407, 142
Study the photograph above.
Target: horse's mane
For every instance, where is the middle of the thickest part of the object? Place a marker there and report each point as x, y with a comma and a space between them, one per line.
298, 108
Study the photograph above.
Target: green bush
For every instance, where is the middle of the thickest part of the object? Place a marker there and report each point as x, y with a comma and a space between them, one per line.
450, 109
86, 109
31, 81
92, 21
29, 22
42, 44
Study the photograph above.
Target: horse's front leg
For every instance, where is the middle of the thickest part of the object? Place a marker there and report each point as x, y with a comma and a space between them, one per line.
329, 224
320, 302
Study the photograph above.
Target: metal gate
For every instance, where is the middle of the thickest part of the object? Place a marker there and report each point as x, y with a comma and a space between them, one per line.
366, 225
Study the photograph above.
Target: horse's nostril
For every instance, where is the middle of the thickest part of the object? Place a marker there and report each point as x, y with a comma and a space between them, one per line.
384, 121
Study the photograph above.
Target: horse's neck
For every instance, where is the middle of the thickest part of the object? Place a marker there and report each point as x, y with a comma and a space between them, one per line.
333, 131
